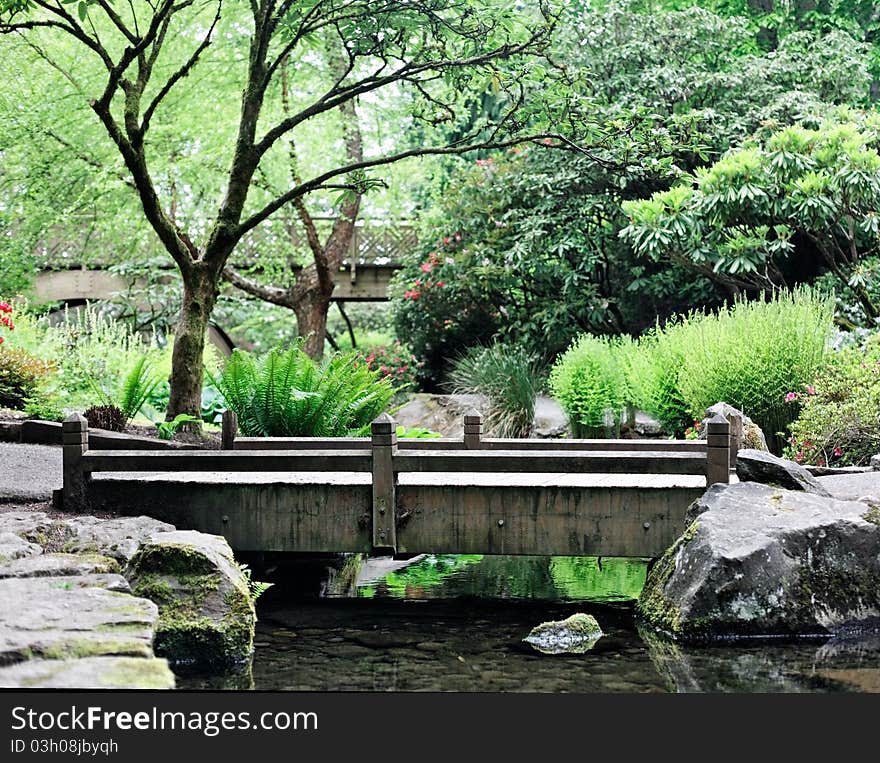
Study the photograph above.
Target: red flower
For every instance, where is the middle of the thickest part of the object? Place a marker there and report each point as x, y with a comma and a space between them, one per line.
837, 452
427, 267
440, 284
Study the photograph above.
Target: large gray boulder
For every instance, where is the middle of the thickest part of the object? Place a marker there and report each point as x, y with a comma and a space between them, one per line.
576, 634
89, 673
118, 538
757, 466
752, 435
73, 617
759, 560
206, 612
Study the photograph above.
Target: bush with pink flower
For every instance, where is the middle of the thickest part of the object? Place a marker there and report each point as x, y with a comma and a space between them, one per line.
839, 420
394, 361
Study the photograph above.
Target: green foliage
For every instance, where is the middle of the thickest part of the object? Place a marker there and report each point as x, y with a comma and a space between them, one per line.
132, 390
776, 212
839, 414
417, 433
652, 367
167, 429
395, 362
22, 377
751, 354
256, 588
589, 381
287, 394
509, 377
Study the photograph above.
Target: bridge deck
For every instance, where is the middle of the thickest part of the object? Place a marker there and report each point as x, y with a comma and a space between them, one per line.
478, 479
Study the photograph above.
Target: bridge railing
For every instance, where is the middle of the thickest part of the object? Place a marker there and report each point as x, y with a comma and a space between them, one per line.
385, 457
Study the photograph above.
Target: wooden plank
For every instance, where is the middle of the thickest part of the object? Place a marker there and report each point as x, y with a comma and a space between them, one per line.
451, 443
317, 518
346, 443
550, 461
226, 461
557, 521
661, 446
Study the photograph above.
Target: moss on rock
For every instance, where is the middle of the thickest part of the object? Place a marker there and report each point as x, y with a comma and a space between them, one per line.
206, 613
653, 606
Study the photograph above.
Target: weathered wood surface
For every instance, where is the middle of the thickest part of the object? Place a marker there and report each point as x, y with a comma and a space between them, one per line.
450, 443
646, 462
321, 517
557, 520
225, 461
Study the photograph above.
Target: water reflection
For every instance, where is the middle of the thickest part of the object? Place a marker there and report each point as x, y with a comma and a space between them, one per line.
436, 576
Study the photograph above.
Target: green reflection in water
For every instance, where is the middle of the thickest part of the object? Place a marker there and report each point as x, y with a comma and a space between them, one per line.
514, 577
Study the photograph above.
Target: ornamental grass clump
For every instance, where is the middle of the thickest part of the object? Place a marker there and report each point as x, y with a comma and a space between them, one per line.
589, 381
287, 394
509, 378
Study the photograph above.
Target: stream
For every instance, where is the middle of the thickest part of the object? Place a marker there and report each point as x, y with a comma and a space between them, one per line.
456, 623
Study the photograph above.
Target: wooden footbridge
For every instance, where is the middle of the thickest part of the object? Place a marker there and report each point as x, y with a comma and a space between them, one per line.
380, 494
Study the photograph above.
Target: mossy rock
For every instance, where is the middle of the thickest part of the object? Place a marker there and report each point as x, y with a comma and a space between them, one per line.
206, 613
763, 561
574, 635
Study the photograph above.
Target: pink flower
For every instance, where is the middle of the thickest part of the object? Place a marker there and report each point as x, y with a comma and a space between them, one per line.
427, 267
837, 452
791, 397
811, 390
441, 284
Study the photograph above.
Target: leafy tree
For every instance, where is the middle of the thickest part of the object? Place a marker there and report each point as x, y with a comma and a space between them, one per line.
775, 212
526, 245
431, 50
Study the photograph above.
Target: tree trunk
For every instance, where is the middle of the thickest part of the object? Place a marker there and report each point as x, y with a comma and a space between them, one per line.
311, 322
187, 360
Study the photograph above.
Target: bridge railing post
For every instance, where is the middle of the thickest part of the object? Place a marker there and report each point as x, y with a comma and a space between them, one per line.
473, 429
717, 450
230, 430
75, 442
383, 445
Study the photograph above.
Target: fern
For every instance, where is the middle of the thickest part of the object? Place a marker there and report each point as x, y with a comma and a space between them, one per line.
136, 387
287, 394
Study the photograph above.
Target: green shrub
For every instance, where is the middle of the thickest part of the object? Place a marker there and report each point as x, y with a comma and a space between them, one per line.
749, 355
510, 380
22, 376
287, 394
839, 420
652, 367
394, 361
753, 353
589, 381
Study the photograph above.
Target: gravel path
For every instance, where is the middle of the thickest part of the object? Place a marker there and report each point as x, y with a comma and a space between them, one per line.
28, 473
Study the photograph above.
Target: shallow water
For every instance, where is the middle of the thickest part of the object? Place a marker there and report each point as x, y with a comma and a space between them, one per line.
457, 624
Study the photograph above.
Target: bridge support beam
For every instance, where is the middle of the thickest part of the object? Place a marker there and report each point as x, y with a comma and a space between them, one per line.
384, 447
